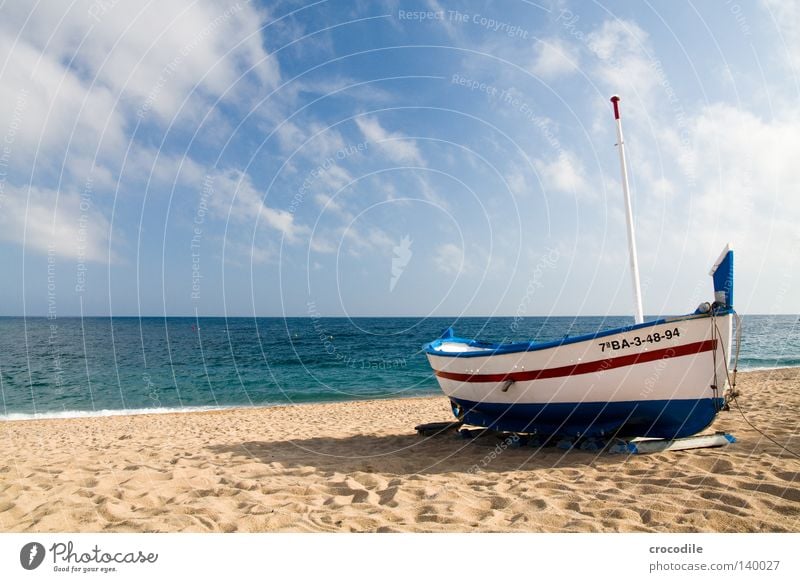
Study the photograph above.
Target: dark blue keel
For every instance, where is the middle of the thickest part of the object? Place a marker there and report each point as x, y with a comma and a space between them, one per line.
668, 419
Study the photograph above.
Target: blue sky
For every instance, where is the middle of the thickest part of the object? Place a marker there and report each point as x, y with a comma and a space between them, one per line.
394, 158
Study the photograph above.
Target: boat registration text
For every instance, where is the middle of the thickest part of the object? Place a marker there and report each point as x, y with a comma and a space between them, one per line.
639, 340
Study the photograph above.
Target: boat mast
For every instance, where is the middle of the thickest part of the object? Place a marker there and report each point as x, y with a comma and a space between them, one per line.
637, 289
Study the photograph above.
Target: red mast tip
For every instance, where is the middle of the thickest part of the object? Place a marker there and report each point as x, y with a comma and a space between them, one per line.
615, 100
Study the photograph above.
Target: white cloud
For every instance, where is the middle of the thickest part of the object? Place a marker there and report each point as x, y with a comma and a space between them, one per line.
516, 175
330, 204
242, 252
450, 29
449, 259
564, 173
787, 17
290, 136
734, 182
625, 63
159, 52
52, 107
235, 195
336, 177
374, 238
77, 78
162, 170
554, 58
751, 183
517, 182
353, 240
314, 142
716, 174
397, 147
55, 222
425, 189
321, 244
124, 60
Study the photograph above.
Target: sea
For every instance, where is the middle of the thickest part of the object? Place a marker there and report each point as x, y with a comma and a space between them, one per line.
70, 367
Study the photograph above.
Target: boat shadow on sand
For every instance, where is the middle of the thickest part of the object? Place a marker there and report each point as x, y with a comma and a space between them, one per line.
410, 454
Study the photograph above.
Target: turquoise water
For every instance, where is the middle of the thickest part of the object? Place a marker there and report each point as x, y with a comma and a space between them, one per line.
70, 367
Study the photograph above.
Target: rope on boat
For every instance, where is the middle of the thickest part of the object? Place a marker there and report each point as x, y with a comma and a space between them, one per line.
738, 345
714, 341
733, 394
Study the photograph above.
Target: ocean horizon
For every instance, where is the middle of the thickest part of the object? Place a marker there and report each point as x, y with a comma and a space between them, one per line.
99, 365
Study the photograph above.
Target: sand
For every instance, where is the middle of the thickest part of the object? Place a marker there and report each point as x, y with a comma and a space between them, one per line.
360, 466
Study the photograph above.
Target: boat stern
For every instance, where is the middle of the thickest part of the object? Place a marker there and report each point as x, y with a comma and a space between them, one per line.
722, 274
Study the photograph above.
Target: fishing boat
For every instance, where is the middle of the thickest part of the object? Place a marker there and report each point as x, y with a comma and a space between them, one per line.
666, 378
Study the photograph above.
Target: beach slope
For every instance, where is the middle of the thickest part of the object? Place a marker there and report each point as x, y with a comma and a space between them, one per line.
359, 466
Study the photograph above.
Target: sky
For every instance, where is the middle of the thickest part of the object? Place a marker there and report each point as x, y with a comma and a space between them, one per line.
395, 158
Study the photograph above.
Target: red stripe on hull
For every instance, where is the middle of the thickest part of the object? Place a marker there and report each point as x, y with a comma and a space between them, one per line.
587, 367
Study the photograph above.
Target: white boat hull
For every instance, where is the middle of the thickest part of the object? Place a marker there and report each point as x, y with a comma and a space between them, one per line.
661, 379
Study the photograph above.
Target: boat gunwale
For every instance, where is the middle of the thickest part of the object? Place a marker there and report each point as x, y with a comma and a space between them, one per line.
494, 349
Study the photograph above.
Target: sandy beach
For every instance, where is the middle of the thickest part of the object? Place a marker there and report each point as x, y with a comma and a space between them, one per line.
360, 466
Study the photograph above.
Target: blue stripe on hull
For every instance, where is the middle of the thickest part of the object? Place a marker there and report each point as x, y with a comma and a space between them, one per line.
654, 418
